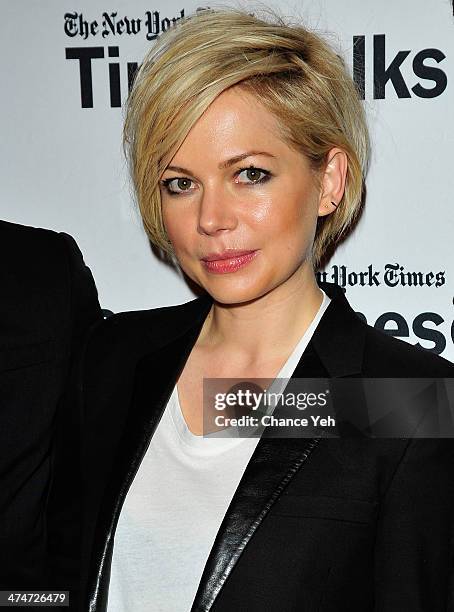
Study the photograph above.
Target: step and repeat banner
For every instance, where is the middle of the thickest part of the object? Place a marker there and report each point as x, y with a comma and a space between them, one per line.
66, 68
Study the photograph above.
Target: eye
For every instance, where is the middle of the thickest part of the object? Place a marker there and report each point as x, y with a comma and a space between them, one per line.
177, 184
181, 184
253, 175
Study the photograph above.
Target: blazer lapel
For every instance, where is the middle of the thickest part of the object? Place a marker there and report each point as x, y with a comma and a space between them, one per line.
270, 469
273, 464
155, 377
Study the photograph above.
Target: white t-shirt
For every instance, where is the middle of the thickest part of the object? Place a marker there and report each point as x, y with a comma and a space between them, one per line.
175, 506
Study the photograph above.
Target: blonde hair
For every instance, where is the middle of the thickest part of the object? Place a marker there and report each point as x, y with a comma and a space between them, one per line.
294, 73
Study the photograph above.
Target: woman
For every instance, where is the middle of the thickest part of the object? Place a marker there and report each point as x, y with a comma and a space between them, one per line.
248, 148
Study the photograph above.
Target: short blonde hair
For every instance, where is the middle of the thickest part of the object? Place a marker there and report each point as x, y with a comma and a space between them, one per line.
294, 73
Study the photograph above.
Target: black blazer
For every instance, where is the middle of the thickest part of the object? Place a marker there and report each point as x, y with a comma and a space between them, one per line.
350, 525
48, 301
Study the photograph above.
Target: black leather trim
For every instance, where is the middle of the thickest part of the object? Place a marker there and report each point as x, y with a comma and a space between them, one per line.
154, 380
270, 469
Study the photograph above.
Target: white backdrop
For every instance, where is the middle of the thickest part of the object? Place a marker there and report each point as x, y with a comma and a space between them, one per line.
62, 165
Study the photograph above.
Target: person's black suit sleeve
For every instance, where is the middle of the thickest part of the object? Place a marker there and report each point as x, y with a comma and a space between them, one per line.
84, 304
64, 503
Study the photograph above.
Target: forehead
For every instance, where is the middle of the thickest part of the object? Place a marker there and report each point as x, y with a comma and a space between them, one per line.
235, 106
235, 122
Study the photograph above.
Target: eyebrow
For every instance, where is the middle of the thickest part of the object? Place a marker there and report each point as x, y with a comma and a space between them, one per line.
227, 163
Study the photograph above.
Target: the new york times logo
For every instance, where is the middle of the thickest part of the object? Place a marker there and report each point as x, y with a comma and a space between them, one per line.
392, 275
112, 25
385, 80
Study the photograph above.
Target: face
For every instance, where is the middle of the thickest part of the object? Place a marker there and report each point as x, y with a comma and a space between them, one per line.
239, 205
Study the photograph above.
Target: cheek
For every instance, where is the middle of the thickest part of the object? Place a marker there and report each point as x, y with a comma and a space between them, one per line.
283, 218
174, 224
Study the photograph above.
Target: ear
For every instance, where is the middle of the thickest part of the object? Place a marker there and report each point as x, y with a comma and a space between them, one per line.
333, 181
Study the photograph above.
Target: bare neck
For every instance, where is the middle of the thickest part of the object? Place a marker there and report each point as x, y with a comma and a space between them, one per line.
268, 326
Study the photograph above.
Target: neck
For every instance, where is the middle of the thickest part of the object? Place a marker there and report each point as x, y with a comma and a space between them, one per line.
270, 325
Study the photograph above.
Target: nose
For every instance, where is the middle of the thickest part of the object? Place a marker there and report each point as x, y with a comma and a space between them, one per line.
216, 211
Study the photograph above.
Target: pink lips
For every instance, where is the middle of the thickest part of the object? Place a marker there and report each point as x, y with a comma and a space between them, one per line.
228, 261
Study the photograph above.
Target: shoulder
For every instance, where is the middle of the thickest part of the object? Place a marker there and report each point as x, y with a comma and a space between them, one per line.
51, 292
132, 334
34, 251
385, 356
14, 236
347, 345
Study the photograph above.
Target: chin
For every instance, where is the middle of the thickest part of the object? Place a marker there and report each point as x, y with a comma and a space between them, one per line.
232, 293
233, 288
